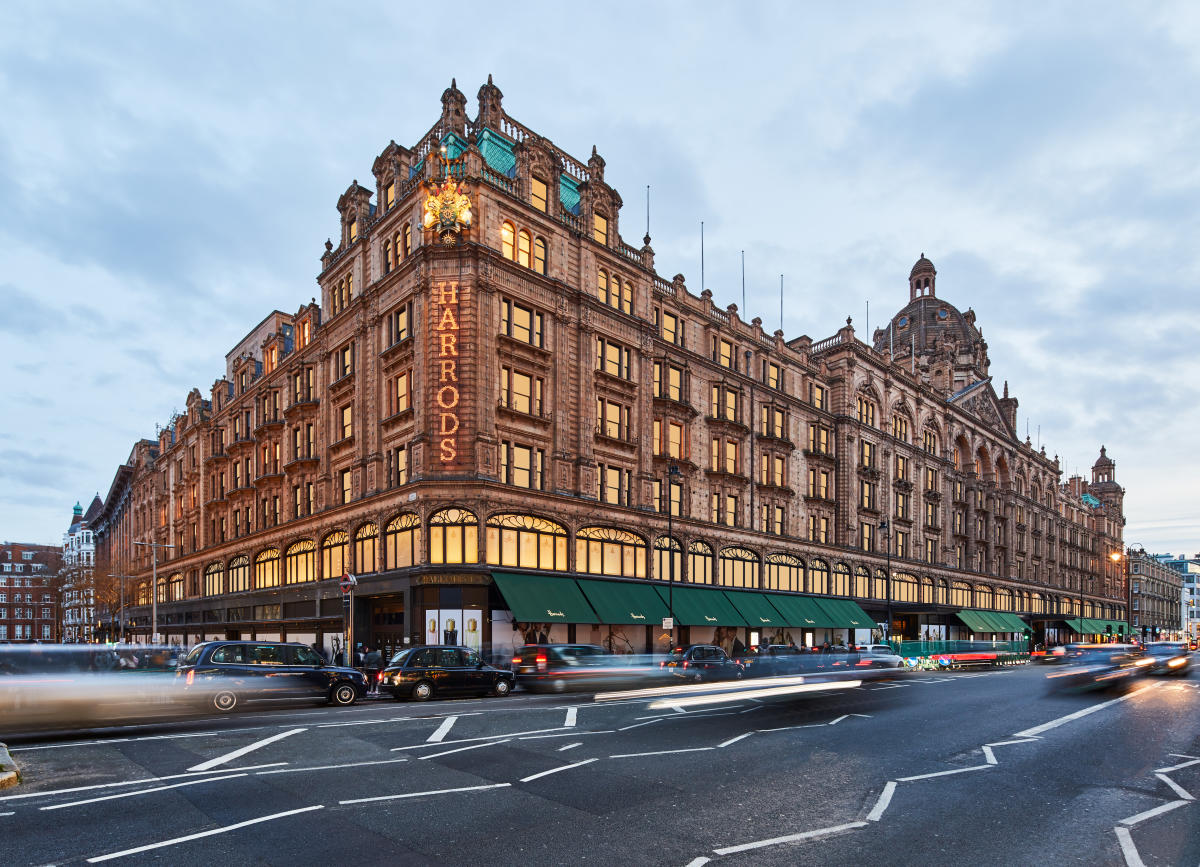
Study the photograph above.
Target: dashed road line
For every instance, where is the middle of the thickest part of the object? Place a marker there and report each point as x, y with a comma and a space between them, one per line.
661, 753
988, 755
1177, 767
570, 746
943, 773
572, 715
734, 740
464, 749
249, 748
48, 792
1156, 811
423, 794
484, 738
1176, 788
790, 838
209, 833
573, 734
646, 723
441, 731
541, 774
1071, 717
141, 792
885, 798
331, 767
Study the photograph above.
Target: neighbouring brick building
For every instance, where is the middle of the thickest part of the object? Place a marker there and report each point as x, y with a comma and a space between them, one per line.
29, 592
506, 423
78, 581
1156, 591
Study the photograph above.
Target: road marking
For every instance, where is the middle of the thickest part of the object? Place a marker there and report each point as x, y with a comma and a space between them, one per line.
1181, 756
1132, 858
422, 794
1176, 767
572, 713
331, 767
442, 730
533, 777
566, 735
838, 720
697, 862
750, 710
8, 814
201, 834
47, 792
463, 749
1063, 720
661, 753
989, 756
570, 746
1157, 811
249, 748
131, 740
734, 740
943, 773
674, 707
1010, 743
885, 798
893, 686
790, 838
141, 792
1178, 789
646, 723
484, 738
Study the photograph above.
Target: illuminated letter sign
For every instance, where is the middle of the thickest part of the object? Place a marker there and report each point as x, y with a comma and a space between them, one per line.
446, 396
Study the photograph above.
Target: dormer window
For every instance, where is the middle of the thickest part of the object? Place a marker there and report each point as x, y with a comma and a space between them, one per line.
538, 194
305, 333
600, 229
390, 195
272, 358
353, 231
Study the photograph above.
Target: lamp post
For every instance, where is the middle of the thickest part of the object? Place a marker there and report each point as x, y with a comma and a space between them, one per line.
153, 546
1127, 556
121, 616
886, 527
672, 474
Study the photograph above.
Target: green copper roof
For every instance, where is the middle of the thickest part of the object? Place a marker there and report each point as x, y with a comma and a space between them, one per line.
568, 193
498, 153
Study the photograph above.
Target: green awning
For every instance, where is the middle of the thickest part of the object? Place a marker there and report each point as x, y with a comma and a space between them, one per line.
799, 611
696, 606
845, 614
544, 598
1086, 626
1010, 622
756, 608
975, 621
991, 621
623, 601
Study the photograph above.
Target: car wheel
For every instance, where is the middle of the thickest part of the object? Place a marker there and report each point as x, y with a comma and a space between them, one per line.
224, 701
502, 688
422, 691
558, 685
739, 673
697, 677
343, 695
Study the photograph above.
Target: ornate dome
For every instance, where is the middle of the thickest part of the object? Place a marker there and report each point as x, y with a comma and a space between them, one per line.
922, 266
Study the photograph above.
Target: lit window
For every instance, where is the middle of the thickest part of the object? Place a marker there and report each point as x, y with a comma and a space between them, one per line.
454, 537
266, 568
402, 542
353, 231
538, 193
600, 229
399, 393
612, 358
520, 323
300, 562
539, 255
391, 195
523, 249
508, 234
347, 421
365, 540
346, 486
609, 551
334, 555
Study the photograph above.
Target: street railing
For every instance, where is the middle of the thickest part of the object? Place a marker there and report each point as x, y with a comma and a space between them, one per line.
955, 654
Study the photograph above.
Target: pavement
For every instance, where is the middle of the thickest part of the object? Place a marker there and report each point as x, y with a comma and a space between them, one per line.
10, 774
968, 767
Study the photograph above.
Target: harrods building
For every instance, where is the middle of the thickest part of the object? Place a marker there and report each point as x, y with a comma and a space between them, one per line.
507, 424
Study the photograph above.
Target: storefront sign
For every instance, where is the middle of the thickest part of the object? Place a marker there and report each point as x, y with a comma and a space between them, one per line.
446, 299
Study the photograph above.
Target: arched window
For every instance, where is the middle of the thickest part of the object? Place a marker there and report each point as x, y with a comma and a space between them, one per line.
862, 583
739, 567
300, 562
402, 542
214, 580
818, 577
700, 563
900, 427
143, 593
366, 541
1003, 599
397, 246
926, 591
266, 569
609, 551
983, 596
175, 588
454, 537
960, 594
334, 554
539, 255
668, 556
602, 286
865, 407
904, 587
523, 249
526, 541
879, 585
784, 572
387, 257
1038, 604
840, 586
627, 297
508, 235
943, 592
407, 243
239, 574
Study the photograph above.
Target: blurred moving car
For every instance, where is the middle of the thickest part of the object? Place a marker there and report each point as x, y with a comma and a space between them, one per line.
1051, 655
878, 656
1099, 666
770, 660
562, 667
17, 659
700, 662
420, 673
224, 674
1168, 657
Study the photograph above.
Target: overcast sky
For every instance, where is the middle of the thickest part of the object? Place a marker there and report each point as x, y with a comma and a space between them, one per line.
169, 175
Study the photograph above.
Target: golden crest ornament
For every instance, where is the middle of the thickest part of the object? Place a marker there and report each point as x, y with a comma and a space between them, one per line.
447, 209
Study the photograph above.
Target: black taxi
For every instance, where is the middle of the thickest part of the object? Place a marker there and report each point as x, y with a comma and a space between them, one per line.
420, 673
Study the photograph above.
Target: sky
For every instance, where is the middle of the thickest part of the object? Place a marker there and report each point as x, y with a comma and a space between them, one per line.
169, 174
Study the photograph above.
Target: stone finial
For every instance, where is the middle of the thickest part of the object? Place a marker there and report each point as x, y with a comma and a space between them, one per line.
328, 246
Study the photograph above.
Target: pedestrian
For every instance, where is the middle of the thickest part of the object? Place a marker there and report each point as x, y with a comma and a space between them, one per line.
321, 652
373, 660
825, 647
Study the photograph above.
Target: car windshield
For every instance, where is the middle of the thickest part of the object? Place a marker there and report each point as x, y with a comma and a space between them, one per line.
193, 655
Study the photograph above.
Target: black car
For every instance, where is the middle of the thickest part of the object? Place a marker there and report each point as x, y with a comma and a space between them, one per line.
771, 660
1169, 657
1099, 666
226, 673
701, 662
420, 673
562, 667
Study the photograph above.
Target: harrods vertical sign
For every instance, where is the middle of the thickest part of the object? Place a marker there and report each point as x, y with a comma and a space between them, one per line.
451, 449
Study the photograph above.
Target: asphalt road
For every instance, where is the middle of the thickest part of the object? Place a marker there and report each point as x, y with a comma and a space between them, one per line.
973, 768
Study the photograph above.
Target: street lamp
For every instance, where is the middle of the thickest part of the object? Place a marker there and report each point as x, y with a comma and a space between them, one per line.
153, 546
672, 474
122, 609
1116, 557
886, 527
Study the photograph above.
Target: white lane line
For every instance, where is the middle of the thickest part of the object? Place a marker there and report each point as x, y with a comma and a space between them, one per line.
893, 686
675, 708
572, 713
942, 773
209, 833
484, 738
442, 730
750, 710
533, 777
1178, 789
249, 748
141, 792
48, 792
331, 767
1177, 767
1063, 720
661, 753
838, 720
422, 794
1157, 811
989, 756
1010, 743
131, 740
885, 798
1181, 756
734, 740
697, 862
646, 723
565, 735
563, 749
463, 749
790, 838
1132, 858
8, 814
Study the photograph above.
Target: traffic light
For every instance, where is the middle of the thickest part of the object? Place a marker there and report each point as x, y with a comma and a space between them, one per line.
1108, 629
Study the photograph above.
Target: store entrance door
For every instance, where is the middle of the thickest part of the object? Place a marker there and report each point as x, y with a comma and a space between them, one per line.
387, 626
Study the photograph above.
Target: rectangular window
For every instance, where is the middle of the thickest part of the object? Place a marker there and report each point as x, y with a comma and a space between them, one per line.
347, 421
931, 479
724, 403
866, 494
297, 501
612, 358
398, 466
345, 361
818, 439
397, 324
902, 468
522, 466
867, 454
670, 328
399, 396
675, 440
537, 193
724, 355
672, 386
600, 229
521, 323
901, 504
390, 195
866, 534
931, 515
819, 396
731, 457
931, 550
901, 543
345, 479
731, 510
520, 391
866, 411
612, 419
771, 374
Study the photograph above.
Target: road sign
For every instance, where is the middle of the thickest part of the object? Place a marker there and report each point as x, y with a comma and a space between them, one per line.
348, 582
668, 623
